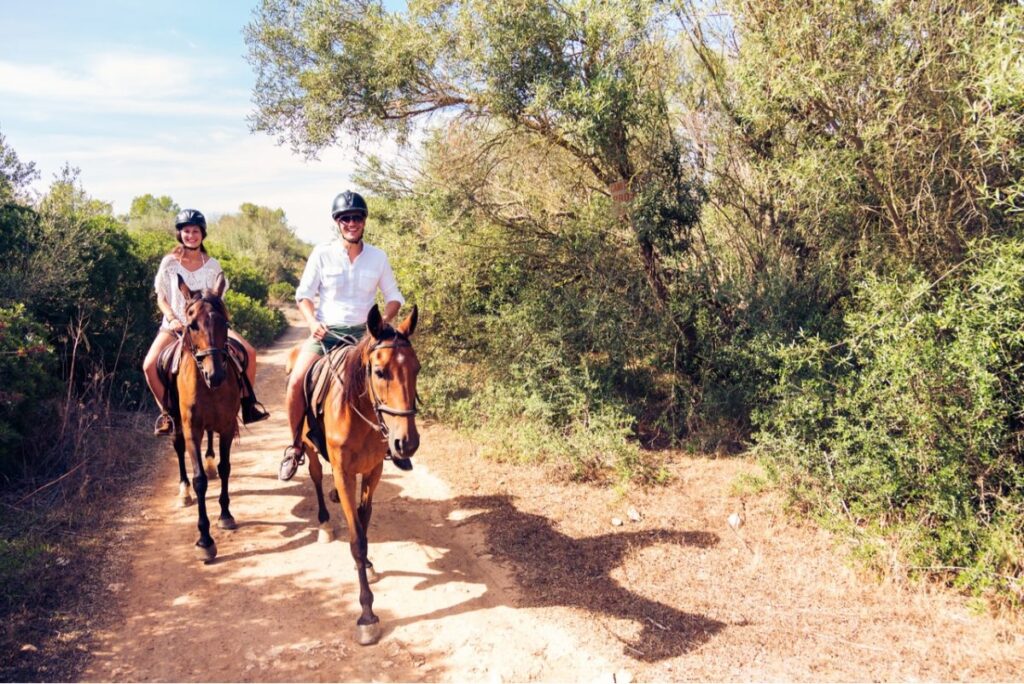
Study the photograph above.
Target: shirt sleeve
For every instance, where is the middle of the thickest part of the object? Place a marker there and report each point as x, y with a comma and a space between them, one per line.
162, 282
309, 285
388, 285
216, 268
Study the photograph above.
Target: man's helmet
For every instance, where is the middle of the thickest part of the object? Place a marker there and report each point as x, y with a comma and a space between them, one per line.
192, 217
349, 202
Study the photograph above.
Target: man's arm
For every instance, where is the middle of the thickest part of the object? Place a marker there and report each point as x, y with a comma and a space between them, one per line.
390, 311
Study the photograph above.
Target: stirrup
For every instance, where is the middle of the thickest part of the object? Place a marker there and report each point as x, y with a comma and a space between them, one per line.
164, 425
293, 458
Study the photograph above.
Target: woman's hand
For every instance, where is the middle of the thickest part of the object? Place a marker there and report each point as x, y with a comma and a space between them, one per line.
318, 330
176, 325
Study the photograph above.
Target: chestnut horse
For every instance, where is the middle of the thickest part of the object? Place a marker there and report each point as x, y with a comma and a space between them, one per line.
208, 399
370, 407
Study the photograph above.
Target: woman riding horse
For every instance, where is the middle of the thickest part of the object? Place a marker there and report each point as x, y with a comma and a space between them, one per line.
199, 271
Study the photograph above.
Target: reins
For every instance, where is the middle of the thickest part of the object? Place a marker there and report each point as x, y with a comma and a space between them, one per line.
379, 407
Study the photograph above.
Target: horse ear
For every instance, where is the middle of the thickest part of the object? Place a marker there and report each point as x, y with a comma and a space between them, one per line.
185, 291
374, 323
408, 326
219, 285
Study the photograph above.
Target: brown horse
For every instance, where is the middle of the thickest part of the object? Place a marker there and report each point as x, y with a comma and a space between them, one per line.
208, 399
370, 407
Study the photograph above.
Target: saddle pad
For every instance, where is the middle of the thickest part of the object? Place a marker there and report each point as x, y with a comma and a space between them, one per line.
319, 377
169, 361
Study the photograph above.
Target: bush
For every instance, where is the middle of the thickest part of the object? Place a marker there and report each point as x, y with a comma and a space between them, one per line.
281, 293
257, 323
909, 429
244, 277
28, 381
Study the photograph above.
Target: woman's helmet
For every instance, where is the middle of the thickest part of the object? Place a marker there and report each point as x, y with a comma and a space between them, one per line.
192, 217
349, 202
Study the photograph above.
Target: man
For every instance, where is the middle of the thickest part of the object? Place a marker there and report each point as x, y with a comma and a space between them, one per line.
345, 274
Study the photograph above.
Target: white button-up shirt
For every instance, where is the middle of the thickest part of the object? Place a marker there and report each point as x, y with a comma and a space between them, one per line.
346, 289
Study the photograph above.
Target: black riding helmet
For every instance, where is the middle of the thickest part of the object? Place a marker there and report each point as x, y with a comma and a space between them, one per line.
192, 217
349, 202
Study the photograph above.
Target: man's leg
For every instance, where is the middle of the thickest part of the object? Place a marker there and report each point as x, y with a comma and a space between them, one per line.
295, 402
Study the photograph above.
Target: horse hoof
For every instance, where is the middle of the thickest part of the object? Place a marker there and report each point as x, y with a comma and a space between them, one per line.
333, 496
325, 534
367, 635
184, 498
211, 469
227, 523
206, 554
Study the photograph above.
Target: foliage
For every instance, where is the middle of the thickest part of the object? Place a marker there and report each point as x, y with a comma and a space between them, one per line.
243, 276
281, 293
263, 237
28, 386
909, 426
14, 176
257, 323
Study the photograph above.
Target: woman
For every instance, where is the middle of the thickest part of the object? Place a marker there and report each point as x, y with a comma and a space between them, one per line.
199, 270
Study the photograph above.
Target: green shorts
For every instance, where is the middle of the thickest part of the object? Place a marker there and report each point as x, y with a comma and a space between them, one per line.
337, 335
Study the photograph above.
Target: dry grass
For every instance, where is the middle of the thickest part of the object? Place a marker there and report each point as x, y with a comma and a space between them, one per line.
683, 596
62, 541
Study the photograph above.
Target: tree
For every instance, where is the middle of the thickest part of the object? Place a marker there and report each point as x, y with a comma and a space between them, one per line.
14, 176
263, 236
148, 204
588, 77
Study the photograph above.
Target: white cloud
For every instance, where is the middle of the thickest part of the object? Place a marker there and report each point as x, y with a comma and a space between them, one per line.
215, 174
125, 82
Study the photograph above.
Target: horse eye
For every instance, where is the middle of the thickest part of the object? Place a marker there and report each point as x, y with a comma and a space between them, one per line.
193, 325
379, 372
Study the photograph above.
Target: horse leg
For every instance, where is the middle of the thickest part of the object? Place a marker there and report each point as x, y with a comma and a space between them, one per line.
184, 497
226, 520
368, 629
365, 511
316, 473
206, 549
211, 467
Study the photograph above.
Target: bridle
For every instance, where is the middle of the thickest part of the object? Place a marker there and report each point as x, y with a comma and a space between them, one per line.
200, 354
379, 407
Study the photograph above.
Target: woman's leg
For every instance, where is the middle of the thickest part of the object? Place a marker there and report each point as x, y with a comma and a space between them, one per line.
252, 410
163, 339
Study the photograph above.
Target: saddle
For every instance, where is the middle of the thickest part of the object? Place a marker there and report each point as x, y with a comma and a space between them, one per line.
169, 362
317, 381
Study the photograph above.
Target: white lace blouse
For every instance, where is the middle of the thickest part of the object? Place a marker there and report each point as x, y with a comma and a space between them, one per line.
166, 283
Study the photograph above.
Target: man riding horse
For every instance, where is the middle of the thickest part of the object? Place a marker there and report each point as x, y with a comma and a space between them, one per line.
343, 276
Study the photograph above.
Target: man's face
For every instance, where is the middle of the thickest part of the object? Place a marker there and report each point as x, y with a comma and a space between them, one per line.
351, 226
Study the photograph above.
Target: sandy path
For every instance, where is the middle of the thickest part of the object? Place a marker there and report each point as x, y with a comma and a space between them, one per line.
278, 606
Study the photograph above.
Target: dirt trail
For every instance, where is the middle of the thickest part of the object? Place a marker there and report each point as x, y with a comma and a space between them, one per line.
278, 606
499, 572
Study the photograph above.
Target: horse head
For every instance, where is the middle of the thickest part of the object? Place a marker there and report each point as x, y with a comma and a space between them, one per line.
206, 331
391, 370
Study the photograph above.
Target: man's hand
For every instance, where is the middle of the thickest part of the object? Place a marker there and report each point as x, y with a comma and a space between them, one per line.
318, 330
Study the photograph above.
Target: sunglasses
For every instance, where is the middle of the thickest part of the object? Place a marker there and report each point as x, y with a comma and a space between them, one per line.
351, 219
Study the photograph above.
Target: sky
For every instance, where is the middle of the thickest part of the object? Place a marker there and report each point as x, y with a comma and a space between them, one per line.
153, 97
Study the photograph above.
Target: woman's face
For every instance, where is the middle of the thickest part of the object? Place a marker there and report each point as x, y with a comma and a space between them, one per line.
191, 236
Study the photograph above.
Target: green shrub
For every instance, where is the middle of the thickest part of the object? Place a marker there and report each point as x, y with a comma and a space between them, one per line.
257, 323
281, 293
909, 428
244, 277
28, 381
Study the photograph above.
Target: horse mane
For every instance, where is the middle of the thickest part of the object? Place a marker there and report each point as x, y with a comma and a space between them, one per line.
353, 372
